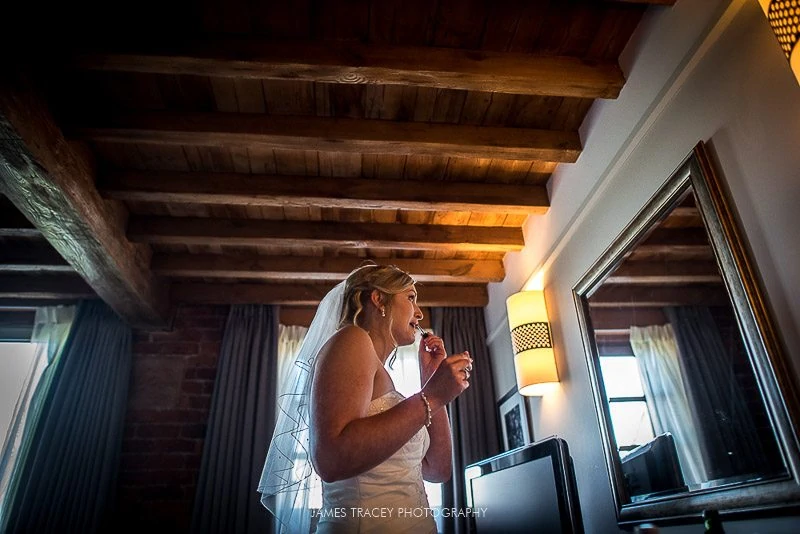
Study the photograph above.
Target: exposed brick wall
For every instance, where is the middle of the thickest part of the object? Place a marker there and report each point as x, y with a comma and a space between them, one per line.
168, 407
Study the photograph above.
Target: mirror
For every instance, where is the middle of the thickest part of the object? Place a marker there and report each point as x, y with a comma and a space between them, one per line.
695, 400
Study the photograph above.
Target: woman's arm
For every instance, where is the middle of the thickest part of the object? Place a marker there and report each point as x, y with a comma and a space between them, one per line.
437, 466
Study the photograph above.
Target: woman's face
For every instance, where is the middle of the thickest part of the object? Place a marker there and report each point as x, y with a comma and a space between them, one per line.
405, 316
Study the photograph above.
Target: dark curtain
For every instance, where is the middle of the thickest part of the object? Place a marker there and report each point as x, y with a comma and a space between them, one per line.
66, 482
473, 415
732, 443
240, 425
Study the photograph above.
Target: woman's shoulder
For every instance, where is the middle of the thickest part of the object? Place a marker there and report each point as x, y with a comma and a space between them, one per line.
351, 331
348, 342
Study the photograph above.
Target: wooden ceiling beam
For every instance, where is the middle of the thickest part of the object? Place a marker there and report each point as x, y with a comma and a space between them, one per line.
605, 320
683, 217
678, 237
311, 294
357, 63
28, 303
649, 2
51, 286
16, 325
303, 315
616, 296
251, 130
327, 192
51, 181
32, 256
14, 231
665, 272
318, 268
675, 244
611, 343
250, 232
12, 222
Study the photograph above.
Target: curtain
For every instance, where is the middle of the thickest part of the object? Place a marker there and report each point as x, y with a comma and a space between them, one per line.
51, 326
656, 350
473, 415
404, 370
728, 433
240, 425
289, 340
67, 477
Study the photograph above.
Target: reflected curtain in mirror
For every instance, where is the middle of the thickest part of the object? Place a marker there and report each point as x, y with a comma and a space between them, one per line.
656, 350
717, 376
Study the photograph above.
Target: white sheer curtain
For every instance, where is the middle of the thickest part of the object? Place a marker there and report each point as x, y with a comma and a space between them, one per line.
405, 370
50, 330
657, 351
289, 340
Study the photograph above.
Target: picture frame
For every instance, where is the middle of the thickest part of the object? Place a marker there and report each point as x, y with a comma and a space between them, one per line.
514, 420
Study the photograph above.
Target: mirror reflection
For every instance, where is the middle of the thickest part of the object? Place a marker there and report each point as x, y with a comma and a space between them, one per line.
682, 401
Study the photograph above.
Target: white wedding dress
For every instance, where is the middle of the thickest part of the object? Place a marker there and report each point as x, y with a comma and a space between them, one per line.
390, 498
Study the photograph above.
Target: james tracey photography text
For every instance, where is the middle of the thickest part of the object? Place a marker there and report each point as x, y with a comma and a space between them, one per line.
341, 512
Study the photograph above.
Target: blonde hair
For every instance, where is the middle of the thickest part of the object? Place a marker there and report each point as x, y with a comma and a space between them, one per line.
387, 279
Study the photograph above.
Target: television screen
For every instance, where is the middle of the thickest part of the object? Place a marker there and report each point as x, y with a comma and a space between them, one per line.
529, 489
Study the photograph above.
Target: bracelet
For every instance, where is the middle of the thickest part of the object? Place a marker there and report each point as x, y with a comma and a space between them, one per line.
427, 408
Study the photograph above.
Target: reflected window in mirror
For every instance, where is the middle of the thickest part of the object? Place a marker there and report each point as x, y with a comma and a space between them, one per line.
627, 403
682, 363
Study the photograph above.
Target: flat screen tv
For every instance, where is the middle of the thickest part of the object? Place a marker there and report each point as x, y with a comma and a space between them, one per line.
528, 489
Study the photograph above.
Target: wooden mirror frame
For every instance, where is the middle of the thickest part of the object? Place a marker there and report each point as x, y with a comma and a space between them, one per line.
771, 368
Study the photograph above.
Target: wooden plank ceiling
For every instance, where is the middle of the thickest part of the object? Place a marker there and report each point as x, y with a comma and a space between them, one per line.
230, 152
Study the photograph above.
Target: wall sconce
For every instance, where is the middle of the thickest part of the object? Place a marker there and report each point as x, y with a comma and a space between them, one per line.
534, 359
784, 18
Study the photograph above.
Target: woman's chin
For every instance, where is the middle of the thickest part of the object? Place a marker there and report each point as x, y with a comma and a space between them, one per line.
406, 339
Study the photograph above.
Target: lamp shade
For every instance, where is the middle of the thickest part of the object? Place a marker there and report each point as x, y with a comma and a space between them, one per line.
534, 359
784, 18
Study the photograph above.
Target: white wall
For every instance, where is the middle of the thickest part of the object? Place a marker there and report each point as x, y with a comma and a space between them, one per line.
708, 71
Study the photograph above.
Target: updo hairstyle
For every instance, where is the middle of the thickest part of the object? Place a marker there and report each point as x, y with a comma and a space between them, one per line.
387, 279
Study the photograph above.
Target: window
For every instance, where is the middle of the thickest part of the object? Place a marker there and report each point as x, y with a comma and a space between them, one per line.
17, 360
24, 365
626, 401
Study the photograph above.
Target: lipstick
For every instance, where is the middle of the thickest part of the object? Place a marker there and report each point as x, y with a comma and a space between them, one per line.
421, 331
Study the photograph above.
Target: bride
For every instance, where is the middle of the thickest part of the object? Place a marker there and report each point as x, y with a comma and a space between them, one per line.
370, 446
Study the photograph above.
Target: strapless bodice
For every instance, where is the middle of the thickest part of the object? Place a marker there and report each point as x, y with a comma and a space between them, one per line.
389, 498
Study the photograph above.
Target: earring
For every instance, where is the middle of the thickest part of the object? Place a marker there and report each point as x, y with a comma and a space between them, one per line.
383, 312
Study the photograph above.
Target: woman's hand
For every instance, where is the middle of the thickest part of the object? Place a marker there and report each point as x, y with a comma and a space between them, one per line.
431, 354
449, 380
